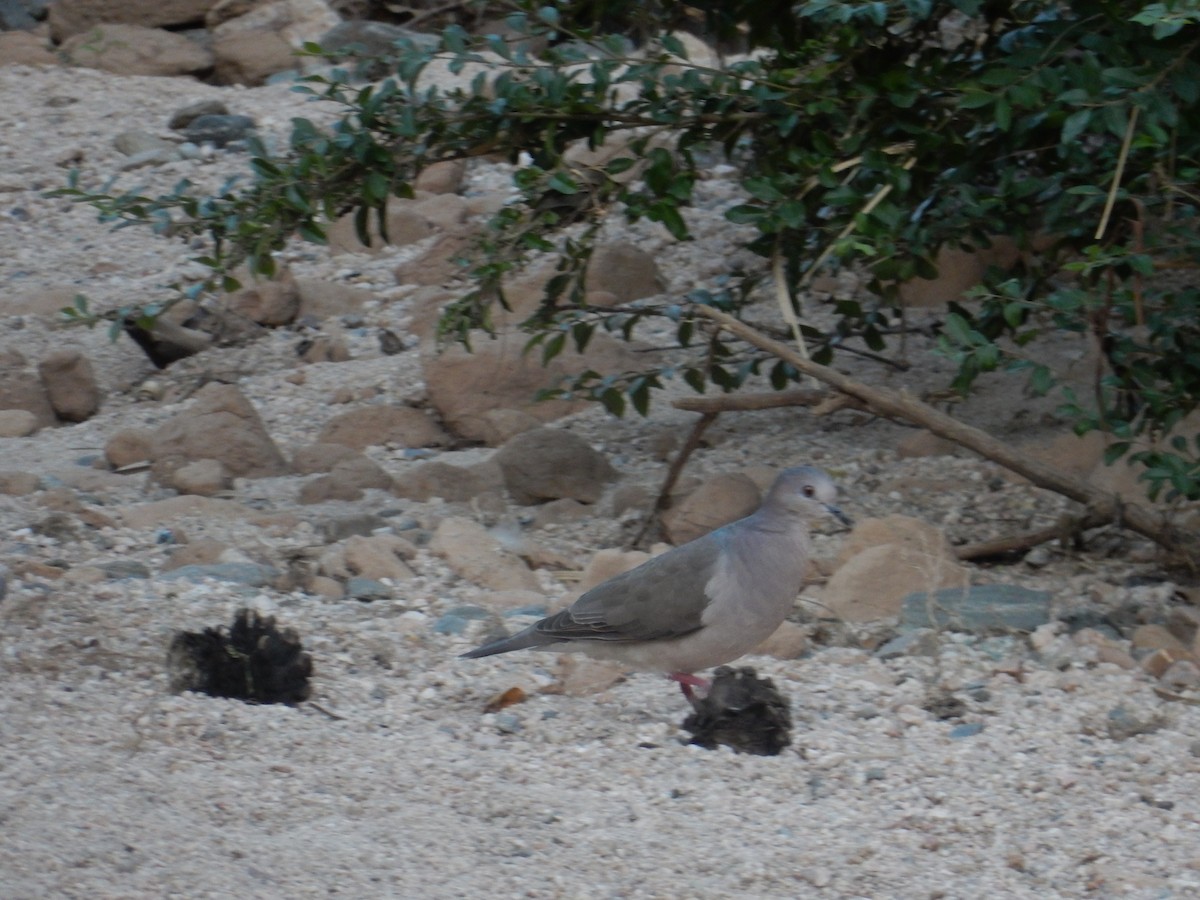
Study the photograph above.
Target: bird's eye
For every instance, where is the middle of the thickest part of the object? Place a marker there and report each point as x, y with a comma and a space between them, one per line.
808, 490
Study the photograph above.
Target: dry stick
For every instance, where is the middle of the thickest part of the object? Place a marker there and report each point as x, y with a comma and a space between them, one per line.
677, 464
1067, 527
742, 402
1102, 507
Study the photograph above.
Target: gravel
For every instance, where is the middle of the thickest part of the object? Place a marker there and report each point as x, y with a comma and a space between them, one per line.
1048, 775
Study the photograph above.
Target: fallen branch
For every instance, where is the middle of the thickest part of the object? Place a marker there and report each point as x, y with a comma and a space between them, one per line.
1102, 507
1068, 527
743, 402
677, 464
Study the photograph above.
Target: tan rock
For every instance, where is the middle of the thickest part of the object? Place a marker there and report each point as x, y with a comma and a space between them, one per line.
70, 384
22, 389
326, 348
378, 556
451, 483
501, 425
326, 299
464, 386
68, 17
204, 477
872, 582
204, 551
377, 426
17, 423
442, 177
920, 444
136, 50
1148, 638
19, 484
276, 28
405, 225
221, 424
894, 529
478, 557
440, 263
321, 457
271, 302
790, 641
606, 564
346, 481
717, 501
445, 212
550, 463
625, 271
129, 446
24, 48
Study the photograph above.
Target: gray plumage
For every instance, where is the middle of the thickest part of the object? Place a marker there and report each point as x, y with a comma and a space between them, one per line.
702, 604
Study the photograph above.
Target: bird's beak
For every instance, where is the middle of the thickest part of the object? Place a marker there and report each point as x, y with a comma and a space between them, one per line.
837, 513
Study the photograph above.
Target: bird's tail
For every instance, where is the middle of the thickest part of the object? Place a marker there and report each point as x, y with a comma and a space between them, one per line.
529, 637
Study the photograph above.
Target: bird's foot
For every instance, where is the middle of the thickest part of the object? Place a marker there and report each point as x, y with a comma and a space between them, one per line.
687, 682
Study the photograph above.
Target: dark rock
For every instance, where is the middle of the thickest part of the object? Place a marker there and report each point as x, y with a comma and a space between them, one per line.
218, 130
249, 574
255, 661
741, 711
185, 115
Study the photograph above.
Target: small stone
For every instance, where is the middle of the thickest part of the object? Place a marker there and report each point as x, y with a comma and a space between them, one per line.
922, 642
1182, 674
966, 730
16, 423
185, 115
218, 130
367, 590
249, 574
120, 569
455, 621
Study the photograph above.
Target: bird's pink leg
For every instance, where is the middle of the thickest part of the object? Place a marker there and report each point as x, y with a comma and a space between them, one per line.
688, 681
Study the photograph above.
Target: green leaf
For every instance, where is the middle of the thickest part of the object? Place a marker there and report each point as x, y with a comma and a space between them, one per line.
1074, 125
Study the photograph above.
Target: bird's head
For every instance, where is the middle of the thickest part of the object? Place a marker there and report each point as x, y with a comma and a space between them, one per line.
806, 492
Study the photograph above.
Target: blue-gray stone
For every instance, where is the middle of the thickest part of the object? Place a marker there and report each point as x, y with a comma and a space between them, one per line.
977, 609
249, 574
455, 621
508, 723
367, 589
218, 130
920, 642
124, 568
966, 730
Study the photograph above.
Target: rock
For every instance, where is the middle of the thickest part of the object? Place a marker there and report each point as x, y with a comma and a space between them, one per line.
377, 426
559, 512
222, 425
19, 484
883, 560
921, 444
624, 271
69, 17
248, 574
579, 676
17, 423
132, 143
471, 551
252, 43
204, 551
1148, 638
501, 425
405, 225
220, 130
185, 115
271, 302
346, 481
717, 501
464, 386
323, 348
1122, 723
23, 48
550, 463
375, 557
919, 642
129, 446
1181, 675
136, 50
606, 564
327, 299
321, 457
204, 477
367, 590
70, 384
978, 609
444, 177
457, 620
440, 263
790, 641
454, 484
338, 528
22, 389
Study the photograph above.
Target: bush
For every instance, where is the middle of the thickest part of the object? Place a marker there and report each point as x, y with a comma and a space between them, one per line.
867, 134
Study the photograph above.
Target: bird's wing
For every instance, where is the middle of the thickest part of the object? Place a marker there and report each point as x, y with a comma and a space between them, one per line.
665, 597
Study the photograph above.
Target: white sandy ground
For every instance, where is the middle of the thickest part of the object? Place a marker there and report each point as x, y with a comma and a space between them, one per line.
395, 784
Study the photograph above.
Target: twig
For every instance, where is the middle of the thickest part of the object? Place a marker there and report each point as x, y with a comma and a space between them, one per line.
1102, 507
1122, 158
1068, 527
677, 464
742, 402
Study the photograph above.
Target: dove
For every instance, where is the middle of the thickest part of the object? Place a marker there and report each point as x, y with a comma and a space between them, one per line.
701, 604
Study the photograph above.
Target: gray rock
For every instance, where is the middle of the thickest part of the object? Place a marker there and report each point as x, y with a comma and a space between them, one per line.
921, 642
966, 730
249, 574
367, 590
550, 463
455, 621
342, 527
185, 115
118, 569
977, 609
131, 143
218, 130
